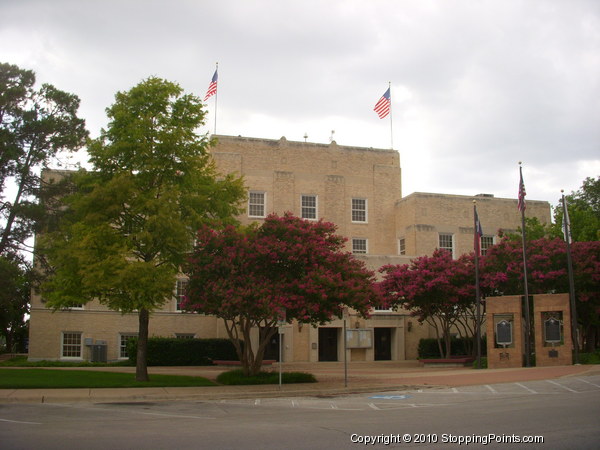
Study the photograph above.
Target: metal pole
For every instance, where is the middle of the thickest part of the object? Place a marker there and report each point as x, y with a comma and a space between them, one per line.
526, 287
345, 356
574, 326
477, 291
280, 329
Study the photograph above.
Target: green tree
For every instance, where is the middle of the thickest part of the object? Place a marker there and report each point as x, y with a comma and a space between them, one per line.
14, 300
584, 212
132, 221
35, 126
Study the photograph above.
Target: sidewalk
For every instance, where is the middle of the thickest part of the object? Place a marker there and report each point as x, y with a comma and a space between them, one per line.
361, 377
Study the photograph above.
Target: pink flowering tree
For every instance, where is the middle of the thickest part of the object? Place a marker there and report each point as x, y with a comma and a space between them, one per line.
436, 289
502, 272
287, 266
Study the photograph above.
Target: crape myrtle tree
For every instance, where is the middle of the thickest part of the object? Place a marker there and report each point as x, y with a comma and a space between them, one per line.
131, 222
286, 267
36, 125
502, 273
436, 289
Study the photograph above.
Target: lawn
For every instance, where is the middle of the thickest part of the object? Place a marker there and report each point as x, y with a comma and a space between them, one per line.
63, 379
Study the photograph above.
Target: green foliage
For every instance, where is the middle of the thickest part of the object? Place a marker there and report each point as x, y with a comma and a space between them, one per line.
237, 377
584, 212
21, 361
131, 223
590, 358
429, 349
35, 127
184, 352
484, 363
534, 229
72, 379
15, 290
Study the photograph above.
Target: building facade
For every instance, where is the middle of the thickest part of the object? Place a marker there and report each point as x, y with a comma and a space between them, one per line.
359, 189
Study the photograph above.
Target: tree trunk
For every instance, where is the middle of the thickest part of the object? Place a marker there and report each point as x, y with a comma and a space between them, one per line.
141, 368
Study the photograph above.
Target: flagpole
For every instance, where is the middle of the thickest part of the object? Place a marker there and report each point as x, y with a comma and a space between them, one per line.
216, 94
526, 288
574, 326
477, 248
391, 122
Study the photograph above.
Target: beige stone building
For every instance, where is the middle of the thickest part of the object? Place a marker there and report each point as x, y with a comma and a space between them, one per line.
359, 189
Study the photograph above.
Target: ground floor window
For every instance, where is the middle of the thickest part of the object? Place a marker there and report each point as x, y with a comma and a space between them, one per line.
71, 345
123, 340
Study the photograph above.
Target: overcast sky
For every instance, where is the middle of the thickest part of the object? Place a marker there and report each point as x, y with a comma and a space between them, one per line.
477, 86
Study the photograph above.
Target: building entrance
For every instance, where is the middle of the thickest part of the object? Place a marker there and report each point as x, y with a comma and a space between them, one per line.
272, 348
328, 340
383, 344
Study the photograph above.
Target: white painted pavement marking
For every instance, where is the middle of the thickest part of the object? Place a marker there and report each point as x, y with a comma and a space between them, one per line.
560, 385
333, 405
257, 402
526, 388
175, 415
588, 382
454, 390
372, 406
19, 421
492, 390
294, 404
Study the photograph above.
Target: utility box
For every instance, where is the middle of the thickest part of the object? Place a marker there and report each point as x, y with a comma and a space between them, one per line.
98, 353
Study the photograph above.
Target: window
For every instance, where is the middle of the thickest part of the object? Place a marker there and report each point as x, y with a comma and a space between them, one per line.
486, 242
185, 335
71, 345
309, 207
256, 204
359, 245
123, 340
359, 210
180, 293
402, 246
446, 242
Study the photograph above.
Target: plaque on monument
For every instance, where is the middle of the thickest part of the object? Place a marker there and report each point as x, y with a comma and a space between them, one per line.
504, 333
552, 330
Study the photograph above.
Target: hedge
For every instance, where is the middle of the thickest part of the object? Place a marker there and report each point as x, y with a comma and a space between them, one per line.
183, 352
428, 348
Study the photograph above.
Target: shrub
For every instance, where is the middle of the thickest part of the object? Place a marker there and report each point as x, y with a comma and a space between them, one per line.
184, 352
428, 348
590, 358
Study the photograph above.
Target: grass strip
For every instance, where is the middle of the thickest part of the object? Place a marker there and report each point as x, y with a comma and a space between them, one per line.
66, 379
237, 377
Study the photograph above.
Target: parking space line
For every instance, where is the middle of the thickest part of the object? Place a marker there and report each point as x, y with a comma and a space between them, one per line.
372, 406
19, 421
588, 382
526, 388
560, 385
492, 390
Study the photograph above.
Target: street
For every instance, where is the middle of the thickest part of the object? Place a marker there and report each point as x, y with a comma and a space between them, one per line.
563, 412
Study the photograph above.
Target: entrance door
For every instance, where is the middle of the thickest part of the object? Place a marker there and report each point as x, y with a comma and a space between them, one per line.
272, 348
383, 344
328, 344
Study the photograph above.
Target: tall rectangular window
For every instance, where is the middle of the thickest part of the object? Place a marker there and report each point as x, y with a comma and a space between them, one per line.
402, 246
180, 293
71, 345
123, 340
359, 210
359, 245
309, 207
256, 204
486, 242
446, 241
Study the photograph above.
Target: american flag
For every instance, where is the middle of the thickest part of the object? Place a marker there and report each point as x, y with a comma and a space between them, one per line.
212, 87
382, 107
522, 193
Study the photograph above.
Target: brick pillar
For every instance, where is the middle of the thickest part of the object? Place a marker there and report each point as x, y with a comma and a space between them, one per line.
499, 308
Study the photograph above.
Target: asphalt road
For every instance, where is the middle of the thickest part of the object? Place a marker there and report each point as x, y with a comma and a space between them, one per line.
564, 412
